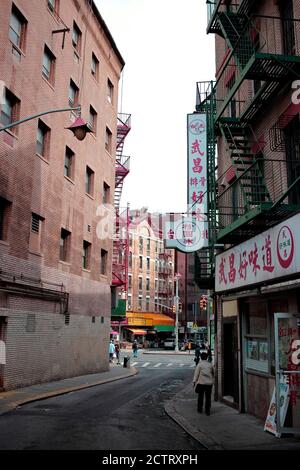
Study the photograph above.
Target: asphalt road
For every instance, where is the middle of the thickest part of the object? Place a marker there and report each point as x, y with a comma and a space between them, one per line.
123, 415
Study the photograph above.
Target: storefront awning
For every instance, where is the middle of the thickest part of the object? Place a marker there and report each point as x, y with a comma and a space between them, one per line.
137, 332
160, 328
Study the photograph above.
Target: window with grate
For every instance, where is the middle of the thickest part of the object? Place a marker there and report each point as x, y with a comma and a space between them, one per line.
35, 223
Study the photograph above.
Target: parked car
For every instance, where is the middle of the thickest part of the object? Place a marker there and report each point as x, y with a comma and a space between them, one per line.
169, 343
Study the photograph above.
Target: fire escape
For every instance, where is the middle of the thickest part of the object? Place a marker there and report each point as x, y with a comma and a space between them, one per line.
165, 283
256, 186
121, 241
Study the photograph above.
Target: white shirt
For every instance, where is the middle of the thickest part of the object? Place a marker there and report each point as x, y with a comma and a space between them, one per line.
204, 373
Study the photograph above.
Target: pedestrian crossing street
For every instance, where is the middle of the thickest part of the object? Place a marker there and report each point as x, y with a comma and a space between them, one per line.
162, 365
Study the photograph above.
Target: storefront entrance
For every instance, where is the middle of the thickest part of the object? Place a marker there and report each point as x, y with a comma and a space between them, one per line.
230, 384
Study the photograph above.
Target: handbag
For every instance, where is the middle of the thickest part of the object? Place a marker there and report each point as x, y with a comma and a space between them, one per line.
197, 389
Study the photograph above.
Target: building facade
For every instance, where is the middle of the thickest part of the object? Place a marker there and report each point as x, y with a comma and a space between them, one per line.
253, 116
55, 271
150, 277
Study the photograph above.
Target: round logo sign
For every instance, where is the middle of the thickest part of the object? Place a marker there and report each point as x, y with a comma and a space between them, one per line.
285, 247
197, 126
188, 235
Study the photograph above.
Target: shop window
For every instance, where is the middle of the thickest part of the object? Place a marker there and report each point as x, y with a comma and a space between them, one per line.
257, 350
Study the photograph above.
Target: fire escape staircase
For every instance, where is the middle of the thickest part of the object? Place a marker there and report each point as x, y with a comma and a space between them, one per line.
251, 201
256, 59
120, 242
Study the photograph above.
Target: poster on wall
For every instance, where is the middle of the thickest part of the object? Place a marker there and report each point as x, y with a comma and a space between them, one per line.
270, 424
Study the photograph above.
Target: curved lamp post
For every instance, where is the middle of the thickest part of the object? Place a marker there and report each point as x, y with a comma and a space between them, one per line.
79, 127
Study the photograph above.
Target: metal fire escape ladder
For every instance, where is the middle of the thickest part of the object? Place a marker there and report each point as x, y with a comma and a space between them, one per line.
121, 235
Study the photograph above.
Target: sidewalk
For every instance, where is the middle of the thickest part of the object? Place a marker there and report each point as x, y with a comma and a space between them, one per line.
225, 428
10, 400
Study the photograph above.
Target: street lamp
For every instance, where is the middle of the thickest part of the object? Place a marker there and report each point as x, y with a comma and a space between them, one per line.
177, 276
79, 127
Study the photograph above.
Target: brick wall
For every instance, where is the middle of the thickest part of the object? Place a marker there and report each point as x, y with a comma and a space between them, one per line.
36, 184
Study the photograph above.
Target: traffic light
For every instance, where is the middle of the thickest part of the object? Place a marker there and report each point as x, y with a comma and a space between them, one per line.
180, 307
204, 302
174, 309
201, 303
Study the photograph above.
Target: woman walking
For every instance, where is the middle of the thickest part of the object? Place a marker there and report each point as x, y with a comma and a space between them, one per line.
203, 382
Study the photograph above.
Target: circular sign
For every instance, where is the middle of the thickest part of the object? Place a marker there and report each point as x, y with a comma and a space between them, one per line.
188, 235
285, 247
197, 126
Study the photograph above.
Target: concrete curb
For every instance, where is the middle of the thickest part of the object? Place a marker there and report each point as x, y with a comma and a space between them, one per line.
204, 439
63, 391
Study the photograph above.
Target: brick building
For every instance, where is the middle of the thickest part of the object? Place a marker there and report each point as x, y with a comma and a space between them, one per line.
150, 279
253, 116
55, 272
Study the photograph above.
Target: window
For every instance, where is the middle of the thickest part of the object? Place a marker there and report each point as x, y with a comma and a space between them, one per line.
35, 233
156, 304
148, 264
292, 146
17, 28
129, 302
108, 138
130, 259
148, 284
10, 109
35, 223
69, 163
95, 66
129, 282
148, 246
93, 120
110, 91
140, 283
86, 255
288, 26
140, 302
76, 38
141, 262
43, 139
103, 266
256, 345
64, 249
53, 6
89, 181
147, 304
73, 94
156, 285
4, 218
48, 65
141, 244
106, 193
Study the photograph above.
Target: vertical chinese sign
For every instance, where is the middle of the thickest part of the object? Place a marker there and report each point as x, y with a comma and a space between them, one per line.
189, 232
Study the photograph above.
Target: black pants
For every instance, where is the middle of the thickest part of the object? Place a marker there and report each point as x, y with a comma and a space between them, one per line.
207, 390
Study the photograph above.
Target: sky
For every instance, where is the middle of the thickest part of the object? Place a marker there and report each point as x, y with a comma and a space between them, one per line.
166, 51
